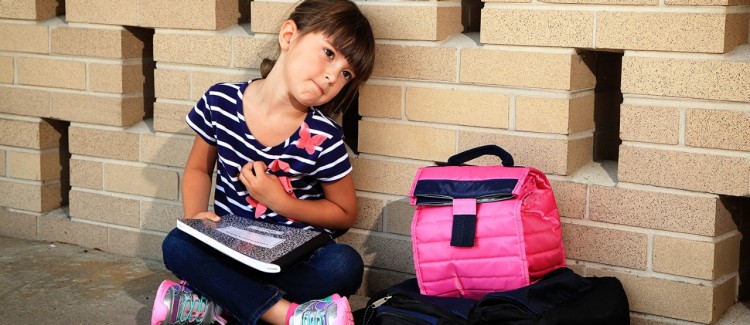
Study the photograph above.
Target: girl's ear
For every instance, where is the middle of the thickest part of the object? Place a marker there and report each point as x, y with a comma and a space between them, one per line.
287, 34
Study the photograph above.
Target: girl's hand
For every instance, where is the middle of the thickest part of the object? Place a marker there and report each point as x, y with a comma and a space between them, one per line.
208, 215
264, 188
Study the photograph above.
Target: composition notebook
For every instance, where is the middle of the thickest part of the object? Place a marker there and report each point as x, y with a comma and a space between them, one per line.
262, 245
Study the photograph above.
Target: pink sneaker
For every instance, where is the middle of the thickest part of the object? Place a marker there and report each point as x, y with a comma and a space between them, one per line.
177, 304
333, 310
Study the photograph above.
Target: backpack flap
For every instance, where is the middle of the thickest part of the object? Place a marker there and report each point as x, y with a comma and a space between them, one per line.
463, 196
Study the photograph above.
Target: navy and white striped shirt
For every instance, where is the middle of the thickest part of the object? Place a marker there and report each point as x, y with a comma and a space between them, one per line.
315, 153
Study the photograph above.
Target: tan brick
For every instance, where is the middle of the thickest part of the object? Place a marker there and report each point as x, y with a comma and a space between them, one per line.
30, 197
173, 84
696, 259
106, 43
684, 212
368, 176
215, 50
31, 10
414, 21
369, 213
119, 79
211, 15
686, 301
552, 156
204, 80
703, 172
17, 225
570, 198
707, 79
415, 62
24, 38
525, 69
105, 208
86, 174
32, 135
108, 12
267, 16
718, 129
159, 216
612, 2
103, 143
165, 150
559, 28
706, 2
651, 124
552, 115
144, 181
382, 252
380, 101
606, 246
95, 109
171, 118
453, 106
2, 162
64, 230
39, 166
399, 215
7, 69
134, 243
52, 73
249, 52
408, 141
20, 101
681, 32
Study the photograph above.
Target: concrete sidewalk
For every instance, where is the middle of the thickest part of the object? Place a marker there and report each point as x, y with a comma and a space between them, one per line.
52, 283
43, 283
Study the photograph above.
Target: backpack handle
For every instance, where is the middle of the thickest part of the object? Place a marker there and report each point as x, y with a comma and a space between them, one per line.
490, 149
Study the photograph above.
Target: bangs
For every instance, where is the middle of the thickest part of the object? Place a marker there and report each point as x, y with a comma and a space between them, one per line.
353, 44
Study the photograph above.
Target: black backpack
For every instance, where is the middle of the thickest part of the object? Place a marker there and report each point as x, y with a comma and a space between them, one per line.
561, 297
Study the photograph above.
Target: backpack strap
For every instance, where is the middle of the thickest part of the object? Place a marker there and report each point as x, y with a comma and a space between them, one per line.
464, 222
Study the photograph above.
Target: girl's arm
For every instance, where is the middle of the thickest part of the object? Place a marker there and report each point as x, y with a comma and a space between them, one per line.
196, 180
338, 210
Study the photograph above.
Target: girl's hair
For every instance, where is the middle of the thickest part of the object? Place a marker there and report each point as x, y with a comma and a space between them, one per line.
349, 32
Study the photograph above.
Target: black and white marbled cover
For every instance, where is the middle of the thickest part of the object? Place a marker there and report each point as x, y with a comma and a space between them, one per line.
262, 245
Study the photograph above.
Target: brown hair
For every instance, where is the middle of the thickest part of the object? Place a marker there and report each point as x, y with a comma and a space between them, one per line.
349, 32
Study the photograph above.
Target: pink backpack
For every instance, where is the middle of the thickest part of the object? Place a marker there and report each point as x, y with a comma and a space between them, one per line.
482, 229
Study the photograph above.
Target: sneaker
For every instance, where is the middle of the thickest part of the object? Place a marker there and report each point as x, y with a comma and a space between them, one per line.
177, 304
334, 310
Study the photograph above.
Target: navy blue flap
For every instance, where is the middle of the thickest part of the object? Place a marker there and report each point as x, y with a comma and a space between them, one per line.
443, 191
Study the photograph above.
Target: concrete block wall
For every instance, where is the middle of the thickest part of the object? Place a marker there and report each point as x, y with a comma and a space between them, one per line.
92, 138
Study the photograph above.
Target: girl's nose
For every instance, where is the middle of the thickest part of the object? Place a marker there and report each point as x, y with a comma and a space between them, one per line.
331, 76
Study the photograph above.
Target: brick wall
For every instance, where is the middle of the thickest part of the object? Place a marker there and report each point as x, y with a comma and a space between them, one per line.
93, 95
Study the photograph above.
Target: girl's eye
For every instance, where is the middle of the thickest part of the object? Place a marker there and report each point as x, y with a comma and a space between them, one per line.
328, 53
348, 75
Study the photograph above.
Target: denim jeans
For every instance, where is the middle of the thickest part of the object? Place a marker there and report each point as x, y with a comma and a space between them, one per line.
247, 293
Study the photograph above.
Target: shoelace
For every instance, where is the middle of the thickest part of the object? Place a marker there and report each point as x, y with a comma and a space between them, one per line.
192, 308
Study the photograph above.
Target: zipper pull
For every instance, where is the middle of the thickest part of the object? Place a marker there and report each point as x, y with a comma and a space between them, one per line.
380, 302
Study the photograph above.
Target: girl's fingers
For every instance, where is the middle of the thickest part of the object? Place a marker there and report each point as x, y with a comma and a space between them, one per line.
259, 168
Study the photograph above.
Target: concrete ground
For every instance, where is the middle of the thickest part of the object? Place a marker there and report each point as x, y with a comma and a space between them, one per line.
52, 283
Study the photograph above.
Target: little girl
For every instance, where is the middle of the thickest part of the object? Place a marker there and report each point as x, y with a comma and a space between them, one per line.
256, 133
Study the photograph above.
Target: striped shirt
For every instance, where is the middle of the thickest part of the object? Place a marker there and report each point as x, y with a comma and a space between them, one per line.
314, 154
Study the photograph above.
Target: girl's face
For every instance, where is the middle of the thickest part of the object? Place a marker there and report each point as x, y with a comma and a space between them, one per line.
316, 72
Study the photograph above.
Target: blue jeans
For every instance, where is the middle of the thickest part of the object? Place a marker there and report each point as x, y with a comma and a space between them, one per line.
247, 293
